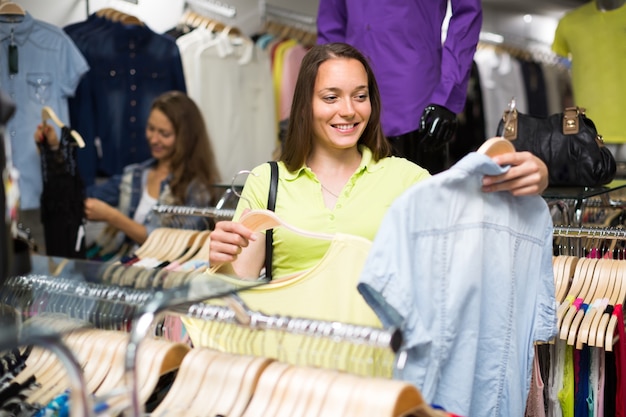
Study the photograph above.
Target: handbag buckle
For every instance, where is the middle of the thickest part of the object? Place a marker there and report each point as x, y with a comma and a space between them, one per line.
571, 124
510, 124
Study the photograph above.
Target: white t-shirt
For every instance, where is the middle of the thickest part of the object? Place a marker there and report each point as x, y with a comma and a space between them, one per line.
145, 205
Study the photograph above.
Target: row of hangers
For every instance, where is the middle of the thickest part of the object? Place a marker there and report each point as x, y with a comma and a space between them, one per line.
115, 15
194, 20
204, 382
584, 289
521, 53
101, 354
289, 31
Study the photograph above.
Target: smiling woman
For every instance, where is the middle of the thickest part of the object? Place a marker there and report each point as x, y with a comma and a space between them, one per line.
335, 172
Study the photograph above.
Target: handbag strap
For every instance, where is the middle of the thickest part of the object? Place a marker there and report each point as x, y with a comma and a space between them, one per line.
271, 205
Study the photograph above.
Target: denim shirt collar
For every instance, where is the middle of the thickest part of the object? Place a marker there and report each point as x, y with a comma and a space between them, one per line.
131, 37
481, 164
22, 28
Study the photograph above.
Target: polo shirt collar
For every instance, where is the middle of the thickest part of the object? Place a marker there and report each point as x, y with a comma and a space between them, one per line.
367, 163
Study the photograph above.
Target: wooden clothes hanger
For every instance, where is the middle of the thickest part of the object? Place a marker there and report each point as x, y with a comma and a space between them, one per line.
600, 301
598, 288
260, 220
589, 285
613, 320
496, 146
129, 19
10, 8
48, 114
600, 322
574, 289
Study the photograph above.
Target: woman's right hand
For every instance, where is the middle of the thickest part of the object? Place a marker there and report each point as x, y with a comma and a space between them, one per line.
47, 133
227, 241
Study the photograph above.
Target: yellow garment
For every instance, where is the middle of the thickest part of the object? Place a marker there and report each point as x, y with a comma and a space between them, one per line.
566, 394
277, 70
326, 292
299, 201
596, 41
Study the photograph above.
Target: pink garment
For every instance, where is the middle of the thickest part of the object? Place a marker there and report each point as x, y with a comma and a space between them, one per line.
292, 59
535, 406
620, 362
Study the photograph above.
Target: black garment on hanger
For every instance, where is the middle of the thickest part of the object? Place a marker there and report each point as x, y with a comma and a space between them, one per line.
62, 199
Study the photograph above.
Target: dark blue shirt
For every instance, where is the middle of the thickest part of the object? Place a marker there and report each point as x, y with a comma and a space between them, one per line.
130, 66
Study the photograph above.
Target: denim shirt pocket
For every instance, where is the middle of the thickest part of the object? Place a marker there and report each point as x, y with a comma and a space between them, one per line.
39, 86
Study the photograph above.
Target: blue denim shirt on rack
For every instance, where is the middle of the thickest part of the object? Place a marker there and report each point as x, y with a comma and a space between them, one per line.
49, 69
468, 277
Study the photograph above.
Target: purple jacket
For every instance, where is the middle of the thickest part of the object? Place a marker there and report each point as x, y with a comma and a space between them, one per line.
402, 38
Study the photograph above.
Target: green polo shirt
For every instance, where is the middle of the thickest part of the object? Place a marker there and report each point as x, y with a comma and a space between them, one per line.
299, 202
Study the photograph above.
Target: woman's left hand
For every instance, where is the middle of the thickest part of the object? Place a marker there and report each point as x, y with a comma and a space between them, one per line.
528, 175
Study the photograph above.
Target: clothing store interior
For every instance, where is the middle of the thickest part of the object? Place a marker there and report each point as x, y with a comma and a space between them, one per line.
202, 180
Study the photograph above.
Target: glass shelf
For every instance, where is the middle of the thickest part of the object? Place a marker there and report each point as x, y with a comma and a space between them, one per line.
578, 193
580, 197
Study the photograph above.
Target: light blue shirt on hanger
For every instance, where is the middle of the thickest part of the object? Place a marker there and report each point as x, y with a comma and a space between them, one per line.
50, 67
468, 277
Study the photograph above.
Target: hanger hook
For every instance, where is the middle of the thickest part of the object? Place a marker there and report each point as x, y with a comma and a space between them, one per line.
232, 185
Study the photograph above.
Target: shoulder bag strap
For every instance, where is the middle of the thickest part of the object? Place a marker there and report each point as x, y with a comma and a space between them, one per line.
271, 205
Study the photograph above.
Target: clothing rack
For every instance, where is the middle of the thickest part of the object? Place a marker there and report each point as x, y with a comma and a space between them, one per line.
236, 312
290, 18
215, 6
590, 232
279, 12
379, 338
212, 212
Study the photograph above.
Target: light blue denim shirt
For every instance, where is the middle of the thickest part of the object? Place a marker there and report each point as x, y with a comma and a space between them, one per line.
49, 69
468, 277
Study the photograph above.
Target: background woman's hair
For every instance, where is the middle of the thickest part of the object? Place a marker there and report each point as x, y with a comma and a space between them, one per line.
193, 157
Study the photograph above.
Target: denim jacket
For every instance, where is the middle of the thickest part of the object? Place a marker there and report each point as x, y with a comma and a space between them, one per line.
124, 192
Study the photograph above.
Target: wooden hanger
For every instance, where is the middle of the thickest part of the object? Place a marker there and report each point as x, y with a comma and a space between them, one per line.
600, 301
153, 243
10, 8
103, 12
48, 114
265, 389
613, 321
496, 146
128, 19
259, 220
600, 282
195, 245
599, 325
574, 289
580, 297
568, 269
187, 383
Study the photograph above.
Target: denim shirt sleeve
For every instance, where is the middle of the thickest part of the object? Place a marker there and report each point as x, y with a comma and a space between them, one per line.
109, 191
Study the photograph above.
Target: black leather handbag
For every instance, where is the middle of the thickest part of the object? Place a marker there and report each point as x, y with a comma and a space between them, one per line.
568, 143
